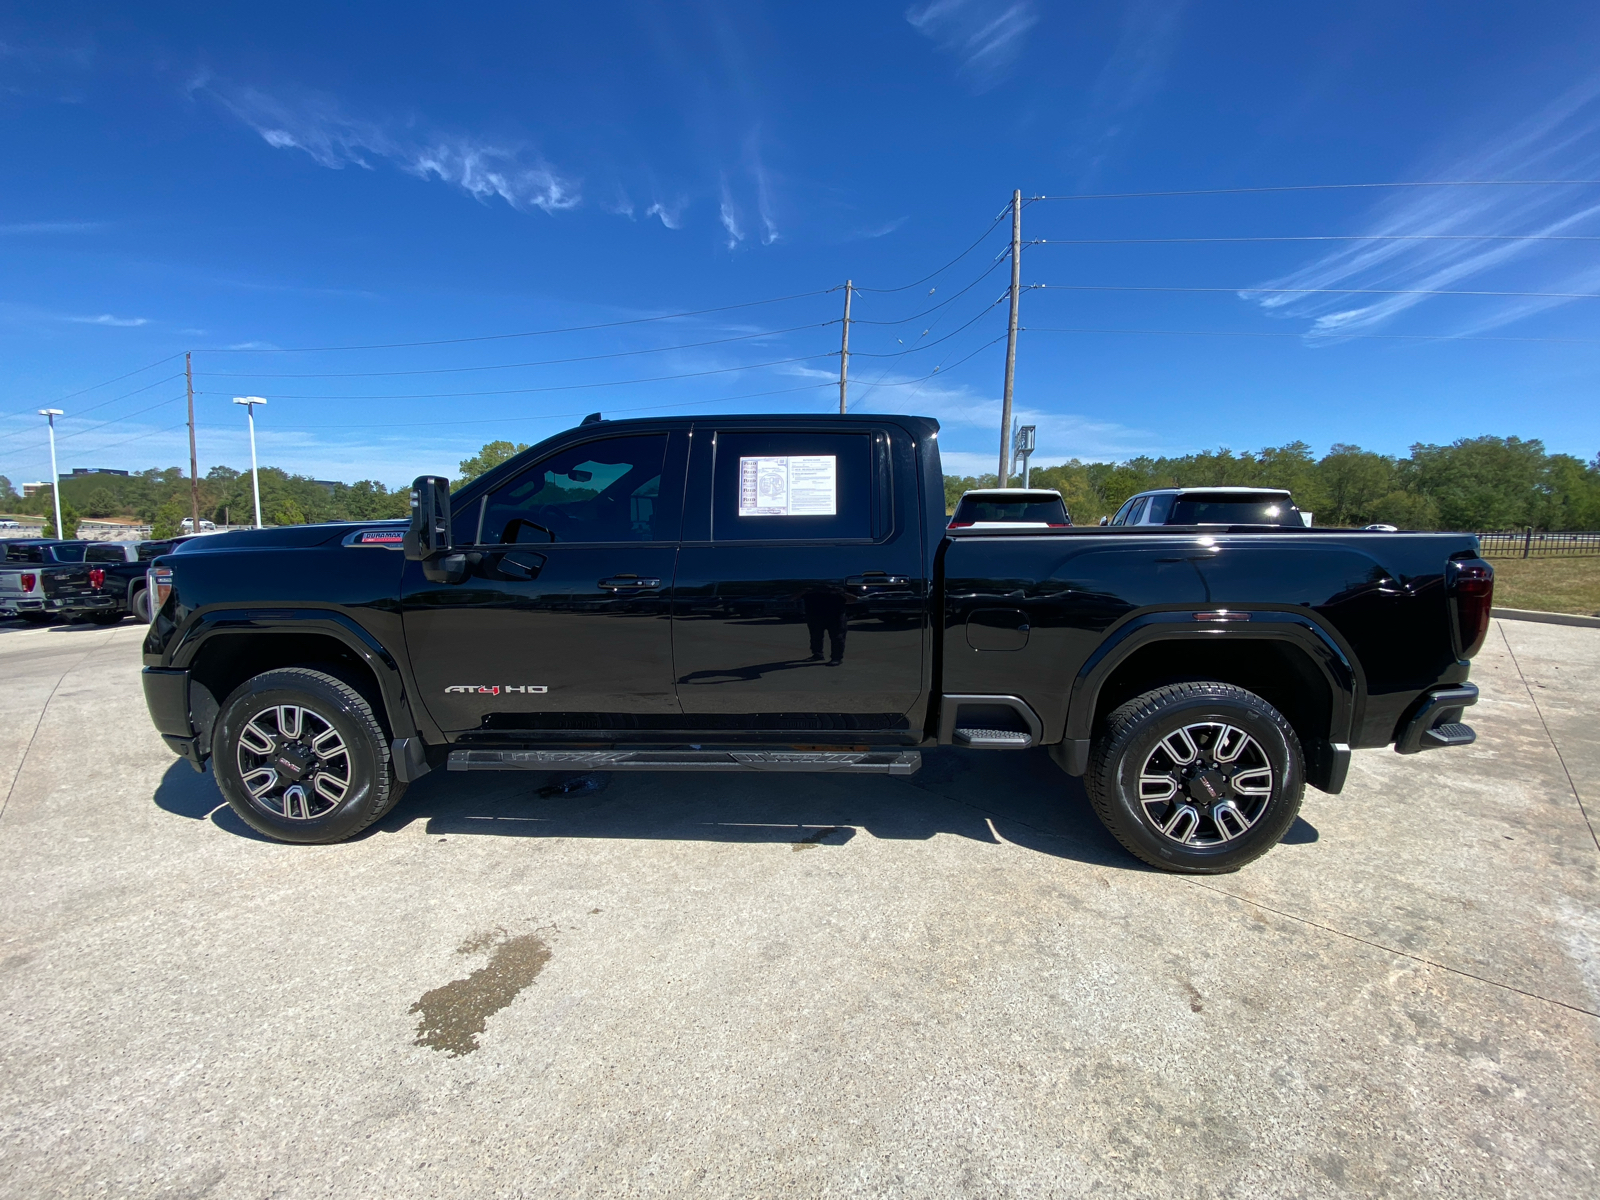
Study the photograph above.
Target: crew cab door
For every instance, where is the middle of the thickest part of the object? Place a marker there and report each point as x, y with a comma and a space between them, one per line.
562, 621
801, 599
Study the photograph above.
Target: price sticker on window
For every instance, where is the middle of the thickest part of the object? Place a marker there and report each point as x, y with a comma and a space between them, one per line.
796, 485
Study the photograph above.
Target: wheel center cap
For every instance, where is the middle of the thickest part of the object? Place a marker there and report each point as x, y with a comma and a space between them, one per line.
292, 760
1208, 786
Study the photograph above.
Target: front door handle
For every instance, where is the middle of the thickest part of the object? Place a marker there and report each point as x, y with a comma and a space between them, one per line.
878, 579
628, 583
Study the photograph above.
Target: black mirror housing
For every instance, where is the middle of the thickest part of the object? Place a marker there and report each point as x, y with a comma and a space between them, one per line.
429, 533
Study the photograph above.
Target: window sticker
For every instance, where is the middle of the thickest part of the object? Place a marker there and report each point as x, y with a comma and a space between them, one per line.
799, 485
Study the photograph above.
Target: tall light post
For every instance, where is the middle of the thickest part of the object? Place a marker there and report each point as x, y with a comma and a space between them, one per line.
50, 414
250, 403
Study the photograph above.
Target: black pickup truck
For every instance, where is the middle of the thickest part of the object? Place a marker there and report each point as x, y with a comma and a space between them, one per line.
48, 579
781, 593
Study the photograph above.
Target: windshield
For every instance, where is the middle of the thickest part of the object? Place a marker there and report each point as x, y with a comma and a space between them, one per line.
1234, 510
1035, 510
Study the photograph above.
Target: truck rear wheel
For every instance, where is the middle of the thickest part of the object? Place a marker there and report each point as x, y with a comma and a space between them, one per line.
300, 757
141, 605
1197, 777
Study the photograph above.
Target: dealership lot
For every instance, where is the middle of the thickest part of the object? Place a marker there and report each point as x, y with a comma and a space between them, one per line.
953, 984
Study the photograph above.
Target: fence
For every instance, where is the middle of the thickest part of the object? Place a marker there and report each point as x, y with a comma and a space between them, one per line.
1525, 543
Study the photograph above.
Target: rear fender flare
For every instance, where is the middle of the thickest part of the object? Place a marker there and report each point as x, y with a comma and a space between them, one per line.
236, 622
1346, 685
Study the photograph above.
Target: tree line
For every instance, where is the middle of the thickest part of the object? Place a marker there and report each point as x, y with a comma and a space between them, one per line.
159, 497
1479, 484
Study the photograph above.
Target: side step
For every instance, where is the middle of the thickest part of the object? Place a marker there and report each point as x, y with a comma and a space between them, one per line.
852, 762
993, 738
1453, 734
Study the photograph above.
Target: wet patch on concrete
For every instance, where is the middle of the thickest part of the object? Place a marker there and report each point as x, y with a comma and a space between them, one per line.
454, 1015
813, 840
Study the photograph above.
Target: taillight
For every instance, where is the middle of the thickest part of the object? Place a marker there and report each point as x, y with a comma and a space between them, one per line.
960, 525
28, 580
97, 577
159, 581
1472, 588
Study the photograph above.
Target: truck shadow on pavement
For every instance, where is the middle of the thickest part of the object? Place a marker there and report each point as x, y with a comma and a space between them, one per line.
1022, 798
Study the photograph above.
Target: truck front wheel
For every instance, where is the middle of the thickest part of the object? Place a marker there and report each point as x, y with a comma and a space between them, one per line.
300, 757
1197, 777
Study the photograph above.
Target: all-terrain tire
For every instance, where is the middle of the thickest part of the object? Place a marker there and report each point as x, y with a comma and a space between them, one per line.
1155, 732
298, 725
140, 604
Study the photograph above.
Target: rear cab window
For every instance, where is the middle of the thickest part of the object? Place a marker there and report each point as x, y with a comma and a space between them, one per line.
66, 554
1018, 510
104, 554
1223, 509
24, 554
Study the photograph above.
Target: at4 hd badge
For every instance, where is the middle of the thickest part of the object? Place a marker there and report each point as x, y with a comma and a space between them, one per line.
494, 689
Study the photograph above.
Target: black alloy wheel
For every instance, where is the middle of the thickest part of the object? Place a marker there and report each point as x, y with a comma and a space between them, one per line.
300, 756
1197, 777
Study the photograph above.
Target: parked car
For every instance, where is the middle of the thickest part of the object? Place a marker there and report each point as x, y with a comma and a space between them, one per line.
1211, 506
205, 526
127, 567
1197, 680
1040, 508
6, 523
45, 579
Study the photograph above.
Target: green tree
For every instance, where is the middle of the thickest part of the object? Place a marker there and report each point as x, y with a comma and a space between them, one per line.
69, 518
1405, 510
491, 456
1480, 483
8, 494
1352, 481
287, 512
167, 521
101, 503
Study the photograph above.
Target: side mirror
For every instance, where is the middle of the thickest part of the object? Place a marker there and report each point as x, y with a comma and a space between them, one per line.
1105, 520
429, 533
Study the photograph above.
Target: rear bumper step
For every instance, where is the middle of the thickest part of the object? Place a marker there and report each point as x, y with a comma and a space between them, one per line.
850, 762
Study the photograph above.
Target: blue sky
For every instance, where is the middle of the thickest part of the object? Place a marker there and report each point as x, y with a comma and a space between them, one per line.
255, 183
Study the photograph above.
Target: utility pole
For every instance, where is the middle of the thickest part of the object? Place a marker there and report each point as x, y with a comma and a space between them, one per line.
1011, 336
50, 414
844, 352
194, 459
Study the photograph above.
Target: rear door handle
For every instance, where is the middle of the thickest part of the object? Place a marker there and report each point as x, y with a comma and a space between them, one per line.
627, 583
877, 579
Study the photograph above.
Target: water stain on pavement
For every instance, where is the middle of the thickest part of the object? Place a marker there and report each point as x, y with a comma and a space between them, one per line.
454, 1015
812, 841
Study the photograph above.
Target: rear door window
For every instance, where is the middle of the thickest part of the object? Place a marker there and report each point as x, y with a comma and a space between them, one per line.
1160, 509
777, 486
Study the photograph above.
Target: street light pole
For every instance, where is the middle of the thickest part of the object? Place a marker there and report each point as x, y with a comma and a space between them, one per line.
50, 414
250, 403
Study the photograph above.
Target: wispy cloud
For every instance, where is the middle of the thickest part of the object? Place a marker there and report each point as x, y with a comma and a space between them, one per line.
985, 35
1421, 247
27, 227
728, 211
1134, 72
108, 319
320, 128
670, 213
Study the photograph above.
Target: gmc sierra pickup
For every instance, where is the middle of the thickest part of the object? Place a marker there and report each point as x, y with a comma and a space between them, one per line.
781, 593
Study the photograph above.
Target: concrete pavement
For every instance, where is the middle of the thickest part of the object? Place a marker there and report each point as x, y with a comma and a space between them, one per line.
952, 985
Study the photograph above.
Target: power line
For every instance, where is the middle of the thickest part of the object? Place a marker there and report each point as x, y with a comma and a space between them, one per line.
499, 337
947, 266
935, 342
1407, 337
806, 387
567, 387
548, 362
1328, 237
103, 403
97, 386
950, 300
1250, 291
1326, 187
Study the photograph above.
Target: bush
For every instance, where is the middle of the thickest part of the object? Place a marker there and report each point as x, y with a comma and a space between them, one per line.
168, 521
69, 518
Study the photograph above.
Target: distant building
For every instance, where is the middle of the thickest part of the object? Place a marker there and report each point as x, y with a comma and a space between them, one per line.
29, 489
96, 471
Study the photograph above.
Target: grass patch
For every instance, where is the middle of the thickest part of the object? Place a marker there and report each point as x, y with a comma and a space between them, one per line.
1563, 585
